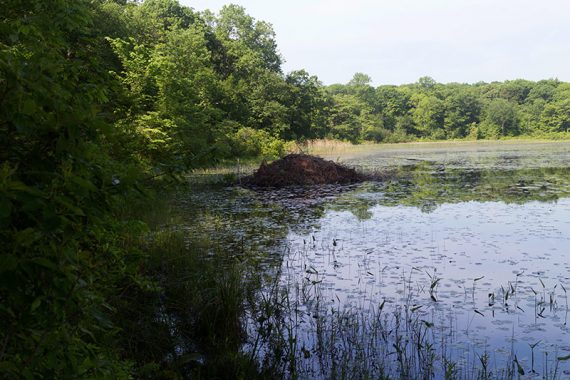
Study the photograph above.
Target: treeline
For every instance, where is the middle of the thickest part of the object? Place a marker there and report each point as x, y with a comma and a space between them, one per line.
430, 110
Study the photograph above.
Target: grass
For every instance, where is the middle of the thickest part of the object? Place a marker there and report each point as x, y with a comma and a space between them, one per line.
335, 148
186, 319
301, 335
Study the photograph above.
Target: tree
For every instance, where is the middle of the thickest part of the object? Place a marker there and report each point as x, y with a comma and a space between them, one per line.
543, 90
238, 30
428, 115
502, 115
426, 83
60, 262
516, 90
150, 20
306, 103
462, 110
555, 117
351, 117
360, 79
392, 103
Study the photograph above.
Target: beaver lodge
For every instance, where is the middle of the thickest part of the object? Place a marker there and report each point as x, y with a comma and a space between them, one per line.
302, 169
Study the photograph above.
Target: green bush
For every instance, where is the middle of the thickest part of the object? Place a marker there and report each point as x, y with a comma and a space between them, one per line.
249, 142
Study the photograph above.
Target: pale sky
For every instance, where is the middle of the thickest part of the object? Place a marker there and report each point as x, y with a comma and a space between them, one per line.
398, 41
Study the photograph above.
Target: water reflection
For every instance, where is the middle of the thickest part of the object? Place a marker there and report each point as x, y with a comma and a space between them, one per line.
427, 185
494, 243
471, 249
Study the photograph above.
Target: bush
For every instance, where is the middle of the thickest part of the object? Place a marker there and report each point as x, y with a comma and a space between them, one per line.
375, 133
489, 131
249, 142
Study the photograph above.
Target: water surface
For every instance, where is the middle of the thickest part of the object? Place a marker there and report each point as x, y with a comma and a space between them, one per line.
467, 246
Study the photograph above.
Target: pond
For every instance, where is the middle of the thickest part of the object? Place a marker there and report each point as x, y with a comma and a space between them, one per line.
456, 265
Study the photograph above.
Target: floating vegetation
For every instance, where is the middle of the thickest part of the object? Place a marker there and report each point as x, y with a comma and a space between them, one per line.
454, 268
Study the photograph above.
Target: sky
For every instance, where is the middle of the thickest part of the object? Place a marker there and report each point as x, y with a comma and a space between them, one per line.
399, 41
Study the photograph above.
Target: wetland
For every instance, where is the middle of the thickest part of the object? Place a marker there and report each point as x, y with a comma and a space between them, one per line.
455, 266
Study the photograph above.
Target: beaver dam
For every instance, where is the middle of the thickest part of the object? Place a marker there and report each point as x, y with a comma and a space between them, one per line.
303, 169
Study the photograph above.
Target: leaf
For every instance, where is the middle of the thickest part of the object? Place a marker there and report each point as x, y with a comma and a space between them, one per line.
21, 187
69, 206
43, 262
29, 107
83, 183
37, 302
27, 237
563, 358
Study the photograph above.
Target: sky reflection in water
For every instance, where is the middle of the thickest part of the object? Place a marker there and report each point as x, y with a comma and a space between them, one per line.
482, 221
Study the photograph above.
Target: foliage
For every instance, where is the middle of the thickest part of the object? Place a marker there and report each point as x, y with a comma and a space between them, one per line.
61, 259
430, 110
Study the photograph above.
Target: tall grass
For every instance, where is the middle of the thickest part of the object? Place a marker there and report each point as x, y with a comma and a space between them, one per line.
302, 333
323, 147
336, 148
186, 320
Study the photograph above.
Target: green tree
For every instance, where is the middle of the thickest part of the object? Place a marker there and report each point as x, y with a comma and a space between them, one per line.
501, 117
555, 117
60, 261
392, 103
351, 119
306, 106
360, 79
238, 30
426, 83
428, 115
515, 90
462, 110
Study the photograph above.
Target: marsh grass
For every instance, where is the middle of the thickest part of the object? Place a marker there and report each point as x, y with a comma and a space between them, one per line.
335, 149
302, 333
327, 147
186, 318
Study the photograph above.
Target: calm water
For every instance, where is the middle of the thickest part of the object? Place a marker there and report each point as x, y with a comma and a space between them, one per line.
470, 241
